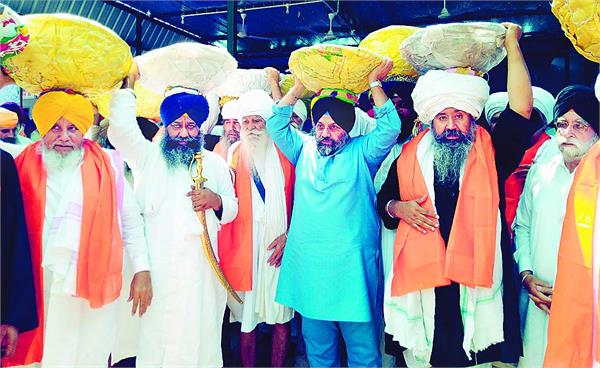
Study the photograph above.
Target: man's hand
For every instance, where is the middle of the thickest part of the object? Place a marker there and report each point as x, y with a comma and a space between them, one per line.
539, 292
132, 76
9, 336
272, 74
513, 34
415, 215
140, 292
204, 199
381, 71
277, 246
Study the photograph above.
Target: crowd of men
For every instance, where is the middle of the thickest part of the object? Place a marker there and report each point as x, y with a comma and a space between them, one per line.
434, 219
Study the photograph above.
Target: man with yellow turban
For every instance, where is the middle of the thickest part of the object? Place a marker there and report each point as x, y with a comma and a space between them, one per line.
8, 125
183, 327
80, 215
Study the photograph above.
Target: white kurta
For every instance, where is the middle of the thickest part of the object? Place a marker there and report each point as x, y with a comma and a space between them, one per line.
538, 228
269, 220
183, 325
410, 318
76, 335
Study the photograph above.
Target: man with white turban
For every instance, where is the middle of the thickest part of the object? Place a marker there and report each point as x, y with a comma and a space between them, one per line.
254, 242
452, 296
183, 327
80, 215
231, 128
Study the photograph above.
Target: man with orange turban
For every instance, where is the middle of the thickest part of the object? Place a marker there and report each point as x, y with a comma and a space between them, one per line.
80, 214
8, 125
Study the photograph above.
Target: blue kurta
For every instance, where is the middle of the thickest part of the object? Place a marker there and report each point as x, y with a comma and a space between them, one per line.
331, 268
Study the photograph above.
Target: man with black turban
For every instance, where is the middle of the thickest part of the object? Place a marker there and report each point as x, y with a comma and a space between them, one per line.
183, 327
331, 268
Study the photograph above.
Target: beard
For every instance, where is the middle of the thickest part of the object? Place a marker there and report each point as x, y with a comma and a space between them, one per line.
449, 155
576, 149
231, 137
55, 162
11, 140
328, 146
177, 154
254, 144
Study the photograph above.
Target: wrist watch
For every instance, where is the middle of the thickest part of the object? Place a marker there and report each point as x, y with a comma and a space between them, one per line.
375, 84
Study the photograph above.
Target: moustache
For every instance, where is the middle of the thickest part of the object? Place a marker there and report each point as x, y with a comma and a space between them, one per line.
326, 141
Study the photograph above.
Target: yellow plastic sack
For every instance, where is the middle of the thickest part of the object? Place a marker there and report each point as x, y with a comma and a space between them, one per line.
69, 52
147, 103
185, 64
287, 82
386, 42
334, 66
580, 20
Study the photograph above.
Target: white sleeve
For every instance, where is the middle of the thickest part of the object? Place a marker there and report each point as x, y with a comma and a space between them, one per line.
123, 130
522, 227
133, 232
13, 149
224, 188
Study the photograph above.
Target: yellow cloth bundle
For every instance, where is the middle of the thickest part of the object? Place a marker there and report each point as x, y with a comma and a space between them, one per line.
147, 103
580, 20
386, 42
334, 66
69, 52
52, 106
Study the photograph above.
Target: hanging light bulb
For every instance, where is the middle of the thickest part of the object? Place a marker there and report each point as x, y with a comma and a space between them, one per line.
287, 8
242, 32
330, 35
444, 13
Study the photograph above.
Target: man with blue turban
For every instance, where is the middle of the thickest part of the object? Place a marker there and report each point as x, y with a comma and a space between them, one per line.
183, 327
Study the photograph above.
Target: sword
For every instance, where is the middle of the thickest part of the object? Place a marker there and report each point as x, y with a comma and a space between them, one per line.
199, 181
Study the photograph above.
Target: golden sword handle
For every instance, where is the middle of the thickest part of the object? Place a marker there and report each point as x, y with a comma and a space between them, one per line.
199, 181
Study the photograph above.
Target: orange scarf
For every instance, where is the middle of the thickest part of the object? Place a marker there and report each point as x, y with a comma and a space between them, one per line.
100, 249
236, 238
421, 261
513, 187
571, 324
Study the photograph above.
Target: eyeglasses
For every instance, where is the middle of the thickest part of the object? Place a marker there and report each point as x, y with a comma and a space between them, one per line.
578, 126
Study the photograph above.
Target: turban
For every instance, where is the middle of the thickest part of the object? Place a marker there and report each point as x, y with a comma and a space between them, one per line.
229, 110
52, 106
8, 119
300, 110
184, 101
341, 112
14, 107
582, 100
438, 90
543, 101
255, 102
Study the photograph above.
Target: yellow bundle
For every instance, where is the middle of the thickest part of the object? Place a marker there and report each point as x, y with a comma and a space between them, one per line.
287, 82
580, 20
69, 52
334, 66
147, 103
386, 42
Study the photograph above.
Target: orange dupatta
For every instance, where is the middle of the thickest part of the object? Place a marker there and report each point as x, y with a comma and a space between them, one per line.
572, 316
422, 261
235, 238
100, 259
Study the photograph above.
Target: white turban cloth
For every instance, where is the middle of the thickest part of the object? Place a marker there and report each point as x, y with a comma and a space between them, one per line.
229, 110
543, 101
598, 87
438, 90
255, 102
300, 110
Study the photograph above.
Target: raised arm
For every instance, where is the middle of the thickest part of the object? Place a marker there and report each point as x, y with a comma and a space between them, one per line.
273, 77
380, 141
287, 139
520, 94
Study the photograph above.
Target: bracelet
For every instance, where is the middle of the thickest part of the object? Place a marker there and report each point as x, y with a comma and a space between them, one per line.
524, 277
387, 208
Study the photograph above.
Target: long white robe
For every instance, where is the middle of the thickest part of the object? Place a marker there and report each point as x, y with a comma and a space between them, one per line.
269, 220
538, 228
76, 335
183, 325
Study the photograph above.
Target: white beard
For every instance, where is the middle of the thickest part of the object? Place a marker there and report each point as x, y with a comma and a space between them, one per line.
255, 146
571, 154
55, 162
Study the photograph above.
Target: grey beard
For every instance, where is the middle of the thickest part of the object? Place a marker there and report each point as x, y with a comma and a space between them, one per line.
328, 150
449, 156
177, 156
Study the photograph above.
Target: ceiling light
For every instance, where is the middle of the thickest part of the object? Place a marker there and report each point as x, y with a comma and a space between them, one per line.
242, 33
444, 13
330, 35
